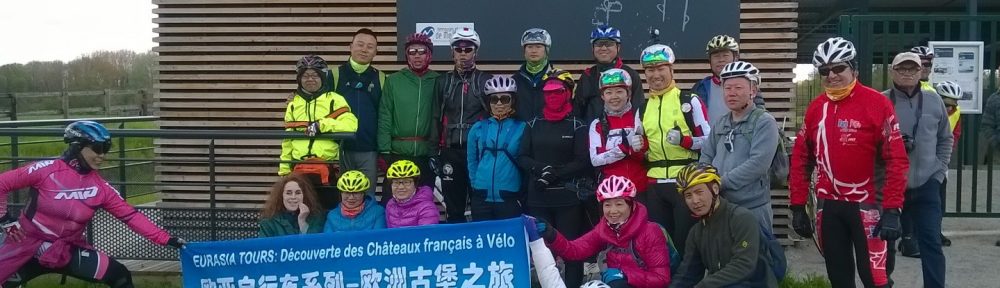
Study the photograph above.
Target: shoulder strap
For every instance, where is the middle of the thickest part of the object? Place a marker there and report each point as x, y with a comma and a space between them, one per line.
381, 79
752, 121
335, 73
689, 115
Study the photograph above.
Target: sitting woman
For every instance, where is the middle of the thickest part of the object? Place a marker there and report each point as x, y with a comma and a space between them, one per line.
357, 211
410, 205
637, 254
291, 208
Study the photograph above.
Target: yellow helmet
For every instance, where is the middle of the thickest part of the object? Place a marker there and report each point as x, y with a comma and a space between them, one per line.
696, 173
402, 169
353, 181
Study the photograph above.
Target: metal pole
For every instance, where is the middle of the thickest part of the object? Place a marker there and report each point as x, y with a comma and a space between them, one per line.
211, 188
121, 164
973, 9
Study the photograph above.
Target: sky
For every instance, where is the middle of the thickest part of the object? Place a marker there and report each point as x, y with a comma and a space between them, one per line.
71, 28
47, 30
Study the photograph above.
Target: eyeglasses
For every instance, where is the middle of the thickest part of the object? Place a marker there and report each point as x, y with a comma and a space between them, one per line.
400, 183
500, 99
416, 51
927, 64
604, 44
907, 71
464, 50
823, 71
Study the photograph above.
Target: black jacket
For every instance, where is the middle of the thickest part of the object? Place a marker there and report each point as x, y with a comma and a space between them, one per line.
530, 98
587, 100
459, 105
562, 145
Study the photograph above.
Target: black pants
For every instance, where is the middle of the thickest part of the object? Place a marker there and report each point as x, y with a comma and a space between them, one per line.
85, 264
484, 211
844, 231
667, 208
455, 183
426, 174
570, 221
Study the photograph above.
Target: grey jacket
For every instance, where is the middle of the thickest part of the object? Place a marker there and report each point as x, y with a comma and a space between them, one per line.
744, 170
991, 121
932, 137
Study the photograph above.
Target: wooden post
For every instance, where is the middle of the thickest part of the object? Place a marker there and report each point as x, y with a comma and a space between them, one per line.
13, 108
107, 102
65, 104
145, 103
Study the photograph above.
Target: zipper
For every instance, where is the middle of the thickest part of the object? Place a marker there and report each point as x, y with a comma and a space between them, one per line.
416, 124
493, 184
461, 112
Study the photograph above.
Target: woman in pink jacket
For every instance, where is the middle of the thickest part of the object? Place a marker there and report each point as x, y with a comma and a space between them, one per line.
637, 254
410, 205
66, 192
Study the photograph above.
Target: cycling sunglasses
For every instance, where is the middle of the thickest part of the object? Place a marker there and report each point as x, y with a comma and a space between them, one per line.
927, 64
500, 99
823, 71
416, 51
465, 50
100, 147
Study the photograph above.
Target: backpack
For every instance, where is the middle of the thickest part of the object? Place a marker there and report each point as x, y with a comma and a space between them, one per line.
778, 173
771, 251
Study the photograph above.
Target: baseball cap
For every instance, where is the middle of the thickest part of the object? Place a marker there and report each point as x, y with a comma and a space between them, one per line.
906, 56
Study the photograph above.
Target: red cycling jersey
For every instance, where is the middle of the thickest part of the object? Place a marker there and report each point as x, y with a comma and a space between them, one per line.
842, 140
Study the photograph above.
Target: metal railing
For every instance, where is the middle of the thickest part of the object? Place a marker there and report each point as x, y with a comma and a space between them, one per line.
195, 224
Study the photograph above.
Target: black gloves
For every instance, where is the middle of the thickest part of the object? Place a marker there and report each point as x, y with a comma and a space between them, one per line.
888, 226
176, 242
801, 222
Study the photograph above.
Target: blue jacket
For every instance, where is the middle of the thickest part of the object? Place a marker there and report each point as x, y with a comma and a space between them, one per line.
372, 217
700, 88
492, 151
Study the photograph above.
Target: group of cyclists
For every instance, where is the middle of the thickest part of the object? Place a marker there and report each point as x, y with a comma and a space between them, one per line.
670, 187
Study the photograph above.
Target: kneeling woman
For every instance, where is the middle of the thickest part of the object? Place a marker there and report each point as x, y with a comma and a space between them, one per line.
291, 208
410, 205
357, 211
637, 254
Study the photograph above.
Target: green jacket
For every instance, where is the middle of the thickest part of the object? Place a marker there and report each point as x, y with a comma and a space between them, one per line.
727, 247
405, 122
285, 224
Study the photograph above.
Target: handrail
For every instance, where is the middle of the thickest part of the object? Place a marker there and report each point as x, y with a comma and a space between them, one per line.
184, 133
63, 122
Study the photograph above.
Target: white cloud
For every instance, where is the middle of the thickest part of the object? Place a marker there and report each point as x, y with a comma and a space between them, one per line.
802, 72
48, 30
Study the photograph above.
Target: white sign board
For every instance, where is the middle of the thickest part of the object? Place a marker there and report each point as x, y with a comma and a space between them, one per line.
440, 33
961, 62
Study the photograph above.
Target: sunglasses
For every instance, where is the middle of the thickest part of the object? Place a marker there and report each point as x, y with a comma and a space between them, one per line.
465, 50
100, 148
927, 65
416, 51
823, 71
500, 99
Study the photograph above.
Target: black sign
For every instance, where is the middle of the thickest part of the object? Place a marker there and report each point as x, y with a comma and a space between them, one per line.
684, 25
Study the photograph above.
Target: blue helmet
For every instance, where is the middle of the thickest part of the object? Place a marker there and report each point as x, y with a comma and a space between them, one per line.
606, 32
87, 133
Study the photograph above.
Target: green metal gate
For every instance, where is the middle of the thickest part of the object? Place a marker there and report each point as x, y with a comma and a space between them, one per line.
878, 38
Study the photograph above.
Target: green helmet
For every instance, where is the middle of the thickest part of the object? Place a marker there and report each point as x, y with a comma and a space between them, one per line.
615, 78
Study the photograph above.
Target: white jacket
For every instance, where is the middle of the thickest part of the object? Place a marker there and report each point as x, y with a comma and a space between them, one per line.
545, 265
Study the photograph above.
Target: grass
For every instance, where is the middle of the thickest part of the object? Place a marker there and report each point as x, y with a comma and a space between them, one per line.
54, 280
807, 281
137, 194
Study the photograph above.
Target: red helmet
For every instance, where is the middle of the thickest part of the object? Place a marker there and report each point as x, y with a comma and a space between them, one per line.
419, 38
616, 187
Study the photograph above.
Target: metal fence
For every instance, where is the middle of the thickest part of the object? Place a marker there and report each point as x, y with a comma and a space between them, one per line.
971, 181
193, 224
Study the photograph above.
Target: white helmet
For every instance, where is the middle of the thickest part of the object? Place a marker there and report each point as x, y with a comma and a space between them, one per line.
832, 51
536, 36
466, 34
949, 89
722, 42
657, 54
741, 69
500, 84
595, 284
923, 51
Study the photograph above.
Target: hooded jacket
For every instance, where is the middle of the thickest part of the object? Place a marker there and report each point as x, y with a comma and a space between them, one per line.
333, 114
372, 217
638, 236
419, 210
406, 123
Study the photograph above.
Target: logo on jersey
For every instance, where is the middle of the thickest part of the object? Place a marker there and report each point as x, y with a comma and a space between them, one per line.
842, 124
39, 165
77, 194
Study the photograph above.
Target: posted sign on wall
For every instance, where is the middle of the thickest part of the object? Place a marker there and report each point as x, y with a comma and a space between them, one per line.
961, 62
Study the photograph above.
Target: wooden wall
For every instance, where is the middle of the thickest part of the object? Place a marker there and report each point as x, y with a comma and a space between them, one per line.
228, 64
